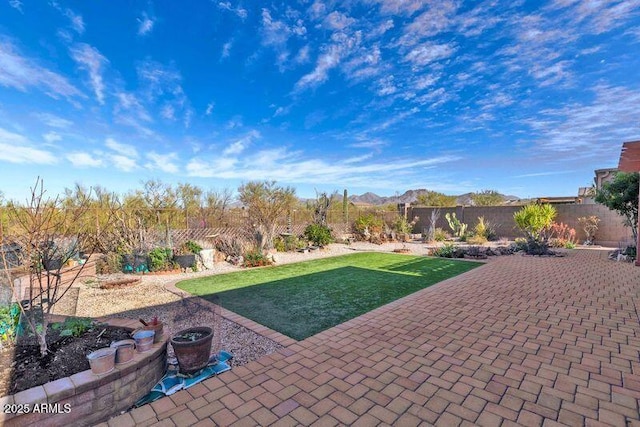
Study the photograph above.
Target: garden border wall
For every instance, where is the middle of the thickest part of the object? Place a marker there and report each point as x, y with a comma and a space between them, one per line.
92, 399
611, 230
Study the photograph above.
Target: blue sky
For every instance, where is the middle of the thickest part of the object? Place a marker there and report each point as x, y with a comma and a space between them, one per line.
524, 97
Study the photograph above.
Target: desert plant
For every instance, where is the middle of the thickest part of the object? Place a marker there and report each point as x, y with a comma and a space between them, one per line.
320, 235
534, 220
368, 226
256, 258
448, 250
562, 236
590, 226
459, 228
159, 259
433, 219
230, 246
440, 235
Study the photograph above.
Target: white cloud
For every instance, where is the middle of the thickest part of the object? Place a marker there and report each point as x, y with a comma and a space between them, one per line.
91, 60
16, 4
329, 59
16, 148
402, 7
53, 121
337, 21
210, 107
123, 163
303, 55
292, 167
84, 160
164, 162
239, 11
129, 104
226, 49
163, 85
77, 23
593, 129
122, 149
145, 24
438, 18
52, 137
240, 145
429, 52
21, 73
168, 112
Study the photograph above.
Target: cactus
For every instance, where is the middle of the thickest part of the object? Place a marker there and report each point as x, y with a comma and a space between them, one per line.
459, 228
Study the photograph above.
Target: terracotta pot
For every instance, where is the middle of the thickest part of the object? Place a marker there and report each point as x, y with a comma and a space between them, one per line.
125, 350
157, 329
192, 354
144, 340
102, 360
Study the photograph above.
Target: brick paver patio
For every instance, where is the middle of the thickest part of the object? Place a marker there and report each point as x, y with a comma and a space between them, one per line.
520, 341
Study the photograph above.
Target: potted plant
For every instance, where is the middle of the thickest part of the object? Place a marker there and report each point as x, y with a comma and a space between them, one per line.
185, 254
192, 348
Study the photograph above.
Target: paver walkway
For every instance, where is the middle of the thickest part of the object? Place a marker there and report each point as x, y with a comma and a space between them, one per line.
520, 341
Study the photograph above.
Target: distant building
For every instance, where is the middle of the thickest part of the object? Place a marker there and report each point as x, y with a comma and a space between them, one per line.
588, 194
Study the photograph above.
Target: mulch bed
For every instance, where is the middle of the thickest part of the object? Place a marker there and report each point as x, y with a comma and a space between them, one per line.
22, 367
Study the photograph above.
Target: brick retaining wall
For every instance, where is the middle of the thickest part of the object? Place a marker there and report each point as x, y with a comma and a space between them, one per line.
92, 399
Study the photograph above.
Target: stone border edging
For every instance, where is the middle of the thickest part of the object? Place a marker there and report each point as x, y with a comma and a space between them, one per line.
231, 316
90, 398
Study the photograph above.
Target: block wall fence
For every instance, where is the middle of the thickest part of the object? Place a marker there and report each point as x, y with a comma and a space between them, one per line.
611, 229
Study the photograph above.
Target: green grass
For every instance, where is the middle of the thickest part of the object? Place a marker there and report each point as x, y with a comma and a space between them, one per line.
302, 299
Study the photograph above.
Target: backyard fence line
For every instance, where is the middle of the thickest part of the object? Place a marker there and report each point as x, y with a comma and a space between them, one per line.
611, 230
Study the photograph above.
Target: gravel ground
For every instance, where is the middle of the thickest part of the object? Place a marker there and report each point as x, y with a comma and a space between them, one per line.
150, 298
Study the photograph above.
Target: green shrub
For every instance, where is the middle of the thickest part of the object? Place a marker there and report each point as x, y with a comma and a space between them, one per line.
190, 247
446, 251
368, 222
401, 225
534, 220
440, 235
256, 258
74, 326
320, 235
9, 319
159, 259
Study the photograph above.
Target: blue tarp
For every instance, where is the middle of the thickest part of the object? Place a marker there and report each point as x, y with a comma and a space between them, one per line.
174, 381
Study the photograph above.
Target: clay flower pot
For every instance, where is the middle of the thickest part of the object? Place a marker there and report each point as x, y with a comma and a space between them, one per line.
102, 360
192, 348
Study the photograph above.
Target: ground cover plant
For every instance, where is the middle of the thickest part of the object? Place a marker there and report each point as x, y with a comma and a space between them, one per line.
302, 299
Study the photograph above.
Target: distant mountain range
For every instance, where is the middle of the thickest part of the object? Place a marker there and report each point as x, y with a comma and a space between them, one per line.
411, 196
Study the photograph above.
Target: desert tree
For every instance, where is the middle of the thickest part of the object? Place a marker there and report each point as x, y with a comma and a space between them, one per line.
487, 198
217, 203
266, 203
46, 236
190, 200
434, 198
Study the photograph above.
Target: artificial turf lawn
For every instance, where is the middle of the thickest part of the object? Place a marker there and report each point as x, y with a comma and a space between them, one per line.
302, 299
